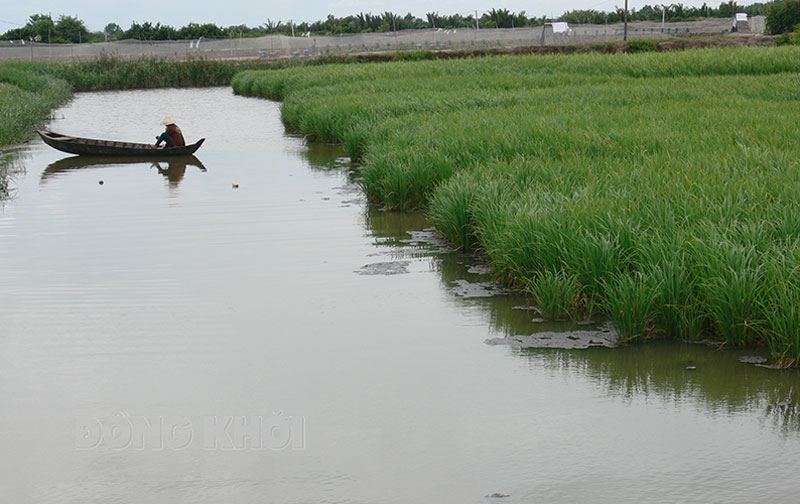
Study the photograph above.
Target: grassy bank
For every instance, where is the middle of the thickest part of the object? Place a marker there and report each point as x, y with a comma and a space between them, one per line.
658, 188
25, 98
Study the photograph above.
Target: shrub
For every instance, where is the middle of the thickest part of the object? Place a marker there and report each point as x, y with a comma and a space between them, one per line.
414, 55
783, 16
642, 45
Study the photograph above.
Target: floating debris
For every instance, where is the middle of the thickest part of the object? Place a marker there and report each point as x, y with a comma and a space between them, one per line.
752, 359
468, 289
384, 268
350, 190
428, 237
570, 340
497, 495
691, 367
480, 269
608, 327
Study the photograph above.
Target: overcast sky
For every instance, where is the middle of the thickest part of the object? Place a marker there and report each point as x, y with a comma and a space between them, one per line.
97, 13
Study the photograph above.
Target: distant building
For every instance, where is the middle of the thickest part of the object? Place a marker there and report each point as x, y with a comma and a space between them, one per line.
556, 33
741, 23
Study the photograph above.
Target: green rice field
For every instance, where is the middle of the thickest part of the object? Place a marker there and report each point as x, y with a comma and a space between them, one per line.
659, 189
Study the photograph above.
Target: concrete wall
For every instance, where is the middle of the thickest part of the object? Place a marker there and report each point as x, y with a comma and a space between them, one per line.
276, 46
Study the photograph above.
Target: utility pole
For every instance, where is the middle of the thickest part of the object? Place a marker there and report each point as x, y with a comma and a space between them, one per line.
477, 24
663, 16
394, 28
625, 35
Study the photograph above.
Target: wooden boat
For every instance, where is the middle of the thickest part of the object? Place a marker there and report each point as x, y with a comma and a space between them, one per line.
92, 147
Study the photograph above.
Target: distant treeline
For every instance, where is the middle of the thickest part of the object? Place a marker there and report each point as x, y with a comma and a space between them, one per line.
42, 27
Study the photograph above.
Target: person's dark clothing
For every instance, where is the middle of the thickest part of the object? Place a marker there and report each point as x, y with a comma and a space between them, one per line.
164, 138
172, 137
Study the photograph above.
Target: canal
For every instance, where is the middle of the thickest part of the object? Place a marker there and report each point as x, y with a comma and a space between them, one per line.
243, 327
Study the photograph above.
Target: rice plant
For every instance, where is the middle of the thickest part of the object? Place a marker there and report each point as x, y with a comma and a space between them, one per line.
630, 303
664, 184
557, 294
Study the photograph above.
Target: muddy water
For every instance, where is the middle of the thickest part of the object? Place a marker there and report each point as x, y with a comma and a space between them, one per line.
168, 337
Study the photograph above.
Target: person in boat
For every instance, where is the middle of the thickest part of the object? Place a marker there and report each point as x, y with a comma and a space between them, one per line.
172, 136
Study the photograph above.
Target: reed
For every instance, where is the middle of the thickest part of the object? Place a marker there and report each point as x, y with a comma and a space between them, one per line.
111, 73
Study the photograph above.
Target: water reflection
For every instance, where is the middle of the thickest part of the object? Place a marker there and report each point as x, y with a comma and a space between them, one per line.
683, 372
323, 156
175, 169
172, 168
11, 166
508, 314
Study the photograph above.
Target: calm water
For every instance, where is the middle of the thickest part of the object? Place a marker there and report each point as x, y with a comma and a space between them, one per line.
166, 337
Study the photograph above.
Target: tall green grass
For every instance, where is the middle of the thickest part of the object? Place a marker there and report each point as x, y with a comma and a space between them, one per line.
665, 185
26, 98
111, 73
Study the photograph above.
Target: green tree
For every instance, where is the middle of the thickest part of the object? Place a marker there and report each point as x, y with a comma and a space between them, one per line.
39, 27
783, 16
501, 18
112, 30
434, 20
71, 29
